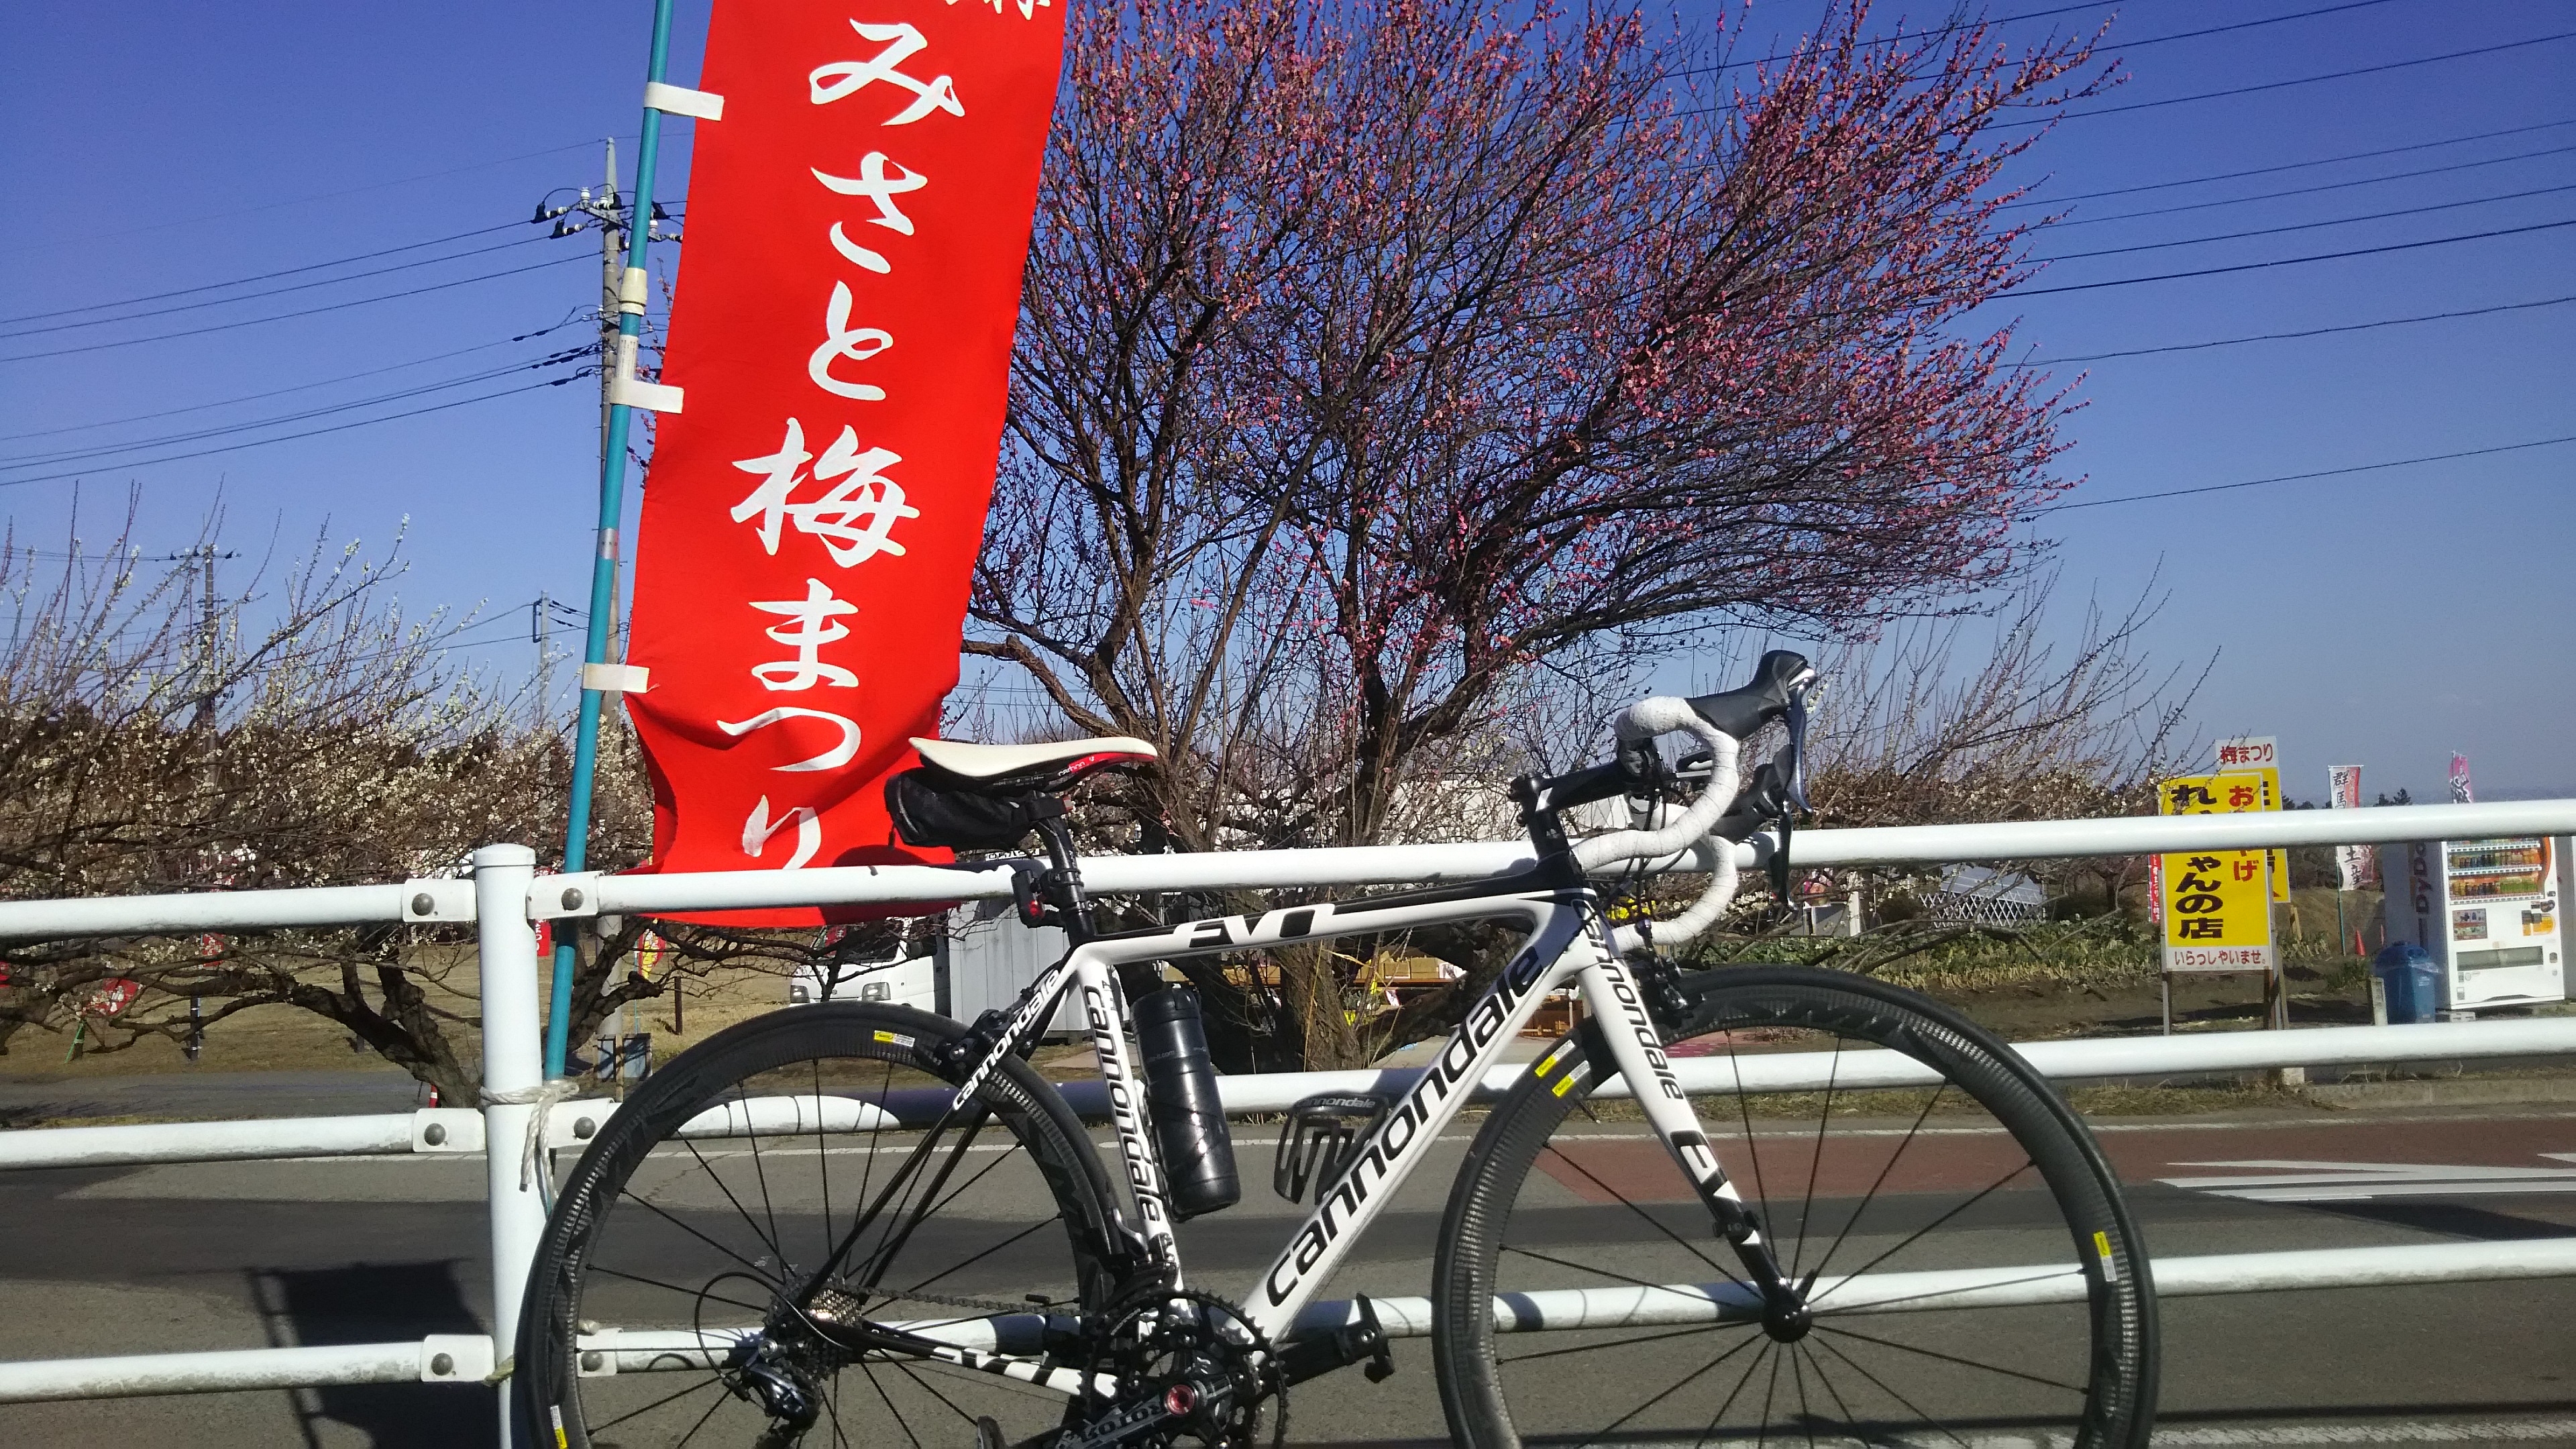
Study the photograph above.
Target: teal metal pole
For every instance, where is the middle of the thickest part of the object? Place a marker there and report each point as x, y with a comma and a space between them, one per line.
603, 568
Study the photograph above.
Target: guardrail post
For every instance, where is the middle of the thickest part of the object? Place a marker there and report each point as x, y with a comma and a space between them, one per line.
513, 1065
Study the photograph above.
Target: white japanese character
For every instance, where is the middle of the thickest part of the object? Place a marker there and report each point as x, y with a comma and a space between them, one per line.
811, 624
831, 82
758, 827
836, 517
876, 186
843, 340
831, 759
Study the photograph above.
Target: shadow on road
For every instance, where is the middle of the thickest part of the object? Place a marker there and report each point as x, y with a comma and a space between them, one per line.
377, 1303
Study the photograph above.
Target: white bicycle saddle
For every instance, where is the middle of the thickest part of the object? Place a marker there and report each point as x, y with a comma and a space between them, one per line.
992, 762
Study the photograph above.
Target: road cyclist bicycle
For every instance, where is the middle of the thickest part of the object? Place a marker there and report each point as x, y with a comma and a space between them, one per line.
862, 1224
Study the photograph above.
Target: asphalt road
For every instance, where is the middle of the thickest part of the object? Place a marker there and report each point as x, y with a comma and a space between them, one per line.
239, 1255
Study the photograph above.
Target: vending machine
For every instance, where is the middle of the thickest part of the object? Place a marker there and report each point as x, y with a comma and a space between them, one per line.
2487, 912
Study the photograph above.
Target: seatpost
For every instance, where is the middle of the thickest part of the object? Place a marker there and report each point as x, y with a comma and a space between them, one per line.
1061, 886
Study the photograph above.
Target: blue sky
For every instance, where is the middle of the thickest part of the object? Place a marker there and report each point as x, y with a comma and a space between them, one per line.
2385, 618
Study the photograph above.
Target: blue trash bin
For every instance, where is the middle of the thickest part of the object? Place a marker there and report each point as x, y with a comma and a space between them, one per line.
2413, 983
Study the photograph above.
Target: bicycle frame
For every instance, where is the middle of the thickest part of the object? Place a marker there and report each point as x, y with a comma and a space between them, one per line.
1567, 943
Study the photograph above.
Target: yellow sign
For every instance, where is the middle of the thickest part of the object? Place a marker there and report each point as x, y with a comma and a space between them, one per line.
2216, 904
2259, 755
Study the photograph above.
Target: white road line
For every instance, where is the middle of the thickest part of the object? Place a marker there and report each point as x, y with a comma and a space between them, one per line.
2398, 1431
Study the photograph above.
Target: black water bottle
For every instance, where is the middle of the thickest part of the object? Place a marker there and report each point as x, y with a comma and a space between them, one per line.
1189, 1120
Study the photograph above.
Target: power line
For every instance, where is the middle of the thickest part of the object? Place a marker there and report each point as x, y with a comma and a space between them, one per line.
579, 315
307, 312
265, 276
159, 312
2320, 473
2310, 190
195, 218
290, 437
2290, 261
35, 460
2194, 241
2300, 81
1957, 26
2305, 332
2293, 165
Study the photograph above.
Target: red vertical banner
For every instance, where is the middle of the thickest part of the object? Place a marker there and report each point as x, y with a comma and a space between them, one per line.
841, 336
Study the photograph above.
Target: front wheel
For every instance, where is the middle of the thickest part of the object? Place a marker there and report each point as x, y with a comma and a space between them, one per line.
1968, 1270
753, 1252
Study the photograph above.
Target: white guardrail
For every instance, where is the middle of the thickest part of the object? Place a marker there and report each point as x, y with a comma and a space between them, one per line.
506, 896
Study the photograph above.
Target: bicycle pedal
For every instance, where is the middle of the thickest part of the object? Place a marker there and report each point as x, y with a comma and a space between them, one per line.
1381, 1359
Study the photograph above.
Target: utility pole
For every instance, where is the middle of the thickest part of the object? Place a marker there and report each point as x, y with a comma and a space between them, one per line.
600, 679
206, 635
611, 266
541, 632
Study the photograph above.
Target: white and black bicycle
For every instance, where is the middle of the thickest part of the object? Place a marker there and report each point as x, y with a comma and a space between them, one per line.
860, 1224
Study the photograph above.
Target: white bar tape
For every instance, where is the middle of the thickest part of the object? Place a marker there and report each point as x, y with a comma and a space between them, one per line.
681, 101
633, 287
616, 678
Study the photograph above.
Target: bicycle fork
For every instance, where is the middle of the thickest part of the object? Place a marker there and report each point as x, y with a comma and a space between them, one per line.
1617, 1006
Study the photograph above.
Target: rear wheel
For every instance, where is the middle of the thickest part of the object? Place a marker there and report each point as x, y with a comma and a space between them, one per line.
1970, 1273
675, 1295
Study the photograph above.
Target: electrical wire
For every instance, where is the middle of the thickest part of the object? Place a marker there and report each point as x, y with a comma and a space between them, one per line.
266, 276
1956, 26
36, 460
2290, 261
2305, 332
579, 315
2300, 477
311, 433
307, 312
2194, 241
197, 218
160, 312
2299, 81
2307, 190
2292, 165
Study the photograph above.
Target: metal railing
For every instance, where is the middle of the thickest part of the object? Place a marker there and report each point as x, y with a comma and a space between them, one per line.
505, 897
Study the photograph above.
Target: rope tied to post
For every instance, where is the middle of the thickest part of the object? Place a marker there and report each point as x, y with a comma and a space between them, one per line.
543, 1097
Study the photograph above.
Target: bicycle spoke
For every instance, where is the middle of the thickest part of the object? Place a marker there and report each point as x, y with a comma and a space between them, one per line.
1646, 1217
709, 1169
1682, 1383
1917, 1235
649, 1206
1621, 1342
1733, 1394
1604, 1272
899, 1420
760, 1173
822, 1158
1885, 1388
702, 1422
1816, 1160
712, 1382
931, 1389
1818, 1365
979, 1257
1798, 1380
1744, 1110
1992, 1368
1872, 1195
912, 1218
692, 1293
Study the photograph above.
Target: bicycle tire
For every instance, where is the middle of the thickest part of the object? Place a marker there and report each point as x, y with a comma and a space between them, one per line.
605, 1264
2080, 1370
